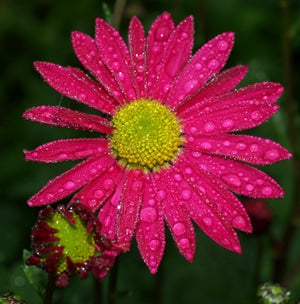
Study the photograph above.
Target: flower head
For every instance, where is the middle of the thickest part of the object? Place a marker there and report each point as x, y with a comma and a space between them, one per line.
168, 153
66, 241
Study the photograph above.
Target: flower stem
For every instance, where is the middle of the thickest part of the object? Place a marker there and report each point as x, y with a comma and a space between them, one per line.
282, 247
112, 284
117, 14
97, 291
49, 291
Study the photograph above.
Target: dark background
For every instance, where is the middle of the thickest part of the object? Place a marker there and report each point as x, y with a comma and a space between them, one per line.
40, 30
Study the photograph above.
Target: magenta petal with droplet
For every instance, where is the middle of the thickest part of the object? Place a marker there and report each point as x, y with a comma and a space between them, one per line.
68, 149
87, 52
130, 206
158, 36
208, 61
137, 48
97, 191
258, 151
174, 57
237, 176
63, 117
69, 84
220, 118
70, 181
176, 216
150, 232
114, 53
219, 84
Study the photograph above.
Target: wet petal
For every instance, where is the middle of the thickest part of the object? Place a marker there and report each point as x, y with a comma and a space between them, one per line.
87, 53
69, 84
157, 39
96, 192
130, 207
176, 216
70, 181
237, 176
137, 49
68, 149
218, 84
63, 117
208, 61
150, 232
174, 57
257, 150
115, 55
220, 118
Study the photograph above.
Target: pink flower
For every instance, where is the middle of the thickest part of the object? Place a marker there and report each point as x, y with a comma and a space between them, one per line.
168, 153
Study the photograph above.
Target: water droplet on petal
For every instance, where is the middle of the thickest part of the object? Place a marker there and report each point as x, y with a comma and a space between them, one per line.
239, 222
178, 177
266, 190
207, 221
154, 244
137, 186
149, 214
198, 66
69, 185
121, 76
241, 146
162, 33
256, 115
190, 85
184, 243
222, 45
249, 187
179, 229
213, 65
227, 123
254, 148
205, 145
271, 154
161, 194
107, 221
108, 183
186, 194
99, 194
209, 127
232, 179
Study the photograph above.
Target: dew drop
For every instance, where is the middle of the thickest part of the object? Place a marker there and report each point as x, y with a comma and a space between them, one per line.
50, 196
232, 179
254, 148
166, 88
69, 185
121, 76
266, 190
162, 33
205, 145
179, 229
99, 194
193, 130
213, 65
209, 127
154, 244
222, 45
116, 65
137, 186
82, 96
107, 221
186, 194
271, 154
227, 123
239, 222
178, 177
148, 214
190, 85
151, 202
184, 243
207, 221
241, 146
256, 115
198, 66
249, 187
161, 194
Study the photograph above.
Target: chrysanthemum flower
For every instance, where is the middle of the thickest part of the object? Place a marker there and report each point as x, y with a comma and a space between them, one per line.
166, 152
66, 241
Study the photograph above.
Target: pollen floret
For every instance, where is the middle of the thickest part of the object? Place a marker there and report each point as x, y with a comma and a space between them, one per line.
146, 134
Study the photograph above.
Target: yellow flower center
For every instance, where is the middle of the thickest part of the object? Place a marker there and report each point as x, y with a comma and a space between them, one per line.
78, 244
146, 135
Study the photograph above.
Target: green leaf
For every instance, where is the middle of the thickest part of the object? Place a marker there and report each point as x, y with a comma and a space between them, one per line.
107, 12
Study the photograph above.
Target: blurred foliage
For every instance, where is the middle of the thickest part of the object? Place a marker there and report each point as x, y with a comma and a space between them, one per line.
40, 30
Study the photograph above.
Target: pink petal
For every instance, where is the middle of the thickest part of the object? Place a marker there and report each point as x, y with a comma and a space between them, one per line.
264, 92
137, 48
156, 44
130, 207
68, 149
65, 82
150, 234
204, 209
63, 117
237, 176
174, 57
255, 150
87, 53
215, 191
96, 192
218, 84
115, 55
220, 118
176, 216
70, 181
208, 61
108, 213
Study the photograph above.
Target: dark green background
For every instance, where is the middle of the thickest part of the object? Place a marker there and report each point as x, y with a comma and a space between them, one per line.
40, 30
